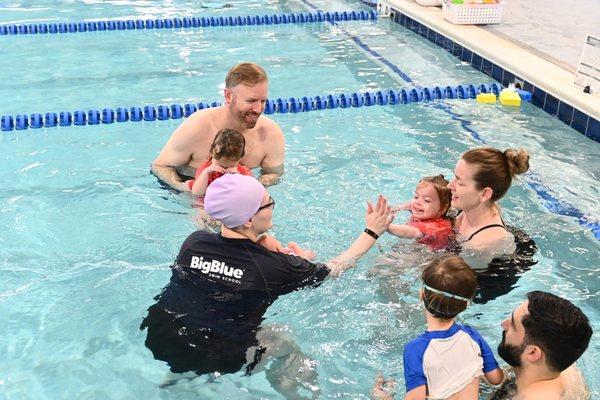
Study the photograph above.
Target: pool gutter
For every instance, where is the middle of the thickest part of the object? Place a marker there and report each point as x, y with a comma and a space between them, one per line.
506, 61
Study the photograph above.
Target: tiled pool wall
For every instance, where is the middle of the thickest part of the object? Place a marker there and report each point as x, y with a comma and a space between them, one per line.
568, 114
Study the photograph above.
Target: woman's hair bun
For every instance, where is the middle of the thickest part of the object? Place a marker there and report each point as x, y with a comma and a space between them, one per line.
517, 161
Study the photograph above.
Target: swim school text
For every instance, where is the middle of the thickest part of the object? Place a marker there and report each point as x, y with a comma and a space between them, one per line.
217, 270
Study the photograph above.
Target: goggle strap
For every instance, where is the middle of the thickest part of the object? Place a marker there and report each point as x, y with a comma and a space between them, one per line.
446, 294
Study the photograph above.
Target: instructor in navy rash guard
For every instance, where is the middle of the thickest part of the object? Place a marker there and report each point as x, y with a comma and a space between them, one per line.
207, 319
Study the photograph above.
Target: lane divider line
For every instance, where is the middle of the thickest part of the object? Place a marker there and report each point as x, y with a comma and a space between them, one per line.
186, 22
272, 106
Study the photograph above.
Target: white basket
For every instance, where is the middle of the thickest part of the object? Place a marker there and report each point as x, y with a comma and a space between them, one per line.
462, 14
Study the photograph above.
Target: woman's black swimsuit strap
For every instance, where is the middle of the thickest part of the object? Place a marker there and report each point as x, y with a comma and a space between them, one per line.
484, 228
503, 225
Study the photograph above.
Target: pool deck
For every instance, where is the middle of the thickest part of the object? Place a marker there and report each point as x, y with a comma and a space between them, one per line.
543, 51
557, 32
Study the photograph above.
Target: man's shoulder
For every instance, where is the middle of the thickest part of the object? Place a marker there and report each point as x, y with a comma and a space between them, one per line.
574, 384
198, 127
207, 112
205, 119
539, 393
270, 128
569, 385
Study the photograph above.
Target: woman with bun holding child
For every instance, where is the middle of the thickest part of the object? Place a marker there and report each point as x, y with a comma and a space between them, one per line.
482, 177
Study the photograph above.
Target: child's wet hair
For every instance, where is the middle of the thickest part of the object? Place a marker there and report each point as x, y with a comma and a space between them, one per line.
452, 276
440, 185
228, 143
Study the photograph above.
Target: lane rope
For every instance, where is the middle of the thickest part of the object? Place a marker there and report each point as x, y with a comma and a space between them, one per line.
186, 22
280, 105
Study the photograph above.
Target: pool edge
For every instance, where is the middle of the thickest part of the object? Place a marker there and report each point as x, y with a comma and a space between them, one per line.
552, 86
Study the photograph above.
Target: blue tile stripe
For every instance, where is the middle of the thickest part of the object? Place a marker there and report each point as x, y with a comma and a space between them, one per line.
382, 59
571, 116
365, 47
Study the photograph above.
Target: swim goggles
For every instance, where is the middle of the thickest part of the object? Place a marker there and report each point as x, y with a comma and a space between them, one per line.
446, 294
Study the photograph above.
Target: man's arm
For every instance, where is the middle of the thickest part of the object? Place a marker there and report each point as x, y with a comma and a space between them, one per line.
175, 153
170, 176
272, 166
270, 175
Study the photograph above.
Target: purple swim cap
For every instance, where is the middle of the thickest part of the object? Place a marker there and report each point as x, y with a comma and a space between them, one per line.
233, 199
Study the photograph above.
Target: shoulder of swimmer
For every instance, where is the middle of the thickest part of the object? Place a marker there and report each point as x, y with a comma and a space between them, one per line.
546, 390
492, 240
574, 387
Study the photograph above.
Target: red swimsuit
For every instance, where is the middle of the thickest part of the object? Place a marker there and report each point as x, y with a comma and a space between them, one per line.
435, 232
242, 169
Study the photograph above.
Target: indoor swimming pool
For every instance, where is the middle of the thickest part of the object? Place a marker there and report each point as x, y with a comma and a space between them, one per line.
89, 234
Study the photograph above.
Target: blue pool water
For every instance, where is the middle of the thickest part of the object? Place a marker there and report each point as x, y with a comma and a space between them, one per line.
89, 234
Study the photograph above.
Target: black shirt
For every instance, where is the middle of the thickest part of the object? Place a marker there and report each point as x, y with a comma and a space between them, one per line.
220, 288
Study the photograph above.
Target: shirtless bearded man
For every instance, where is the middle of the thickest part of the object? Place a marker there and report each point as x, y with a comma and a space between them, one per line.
246, 90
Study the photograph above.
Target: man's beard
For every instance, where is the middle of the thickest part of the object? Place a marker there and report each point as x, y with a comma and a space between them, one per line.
241, 117
250, 125
510, 353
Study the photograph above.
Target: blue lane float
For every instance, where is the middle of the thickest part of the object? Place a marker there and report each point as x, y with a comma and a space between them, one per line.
108, 116
281, 105
50, 120
186, 23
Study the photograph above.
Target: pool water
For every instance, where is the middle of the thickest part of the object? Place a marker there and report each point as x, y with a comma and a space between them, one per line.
89, 234
34, 11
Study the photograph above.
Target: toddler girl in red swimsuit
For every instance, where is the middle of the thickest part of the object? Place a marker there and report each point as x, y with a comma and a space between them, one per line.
428, 223
226, 151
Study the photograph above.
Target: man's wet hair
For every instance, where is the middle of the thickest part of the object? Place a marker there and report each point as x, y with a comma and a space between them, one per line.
558, 327
247, 73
